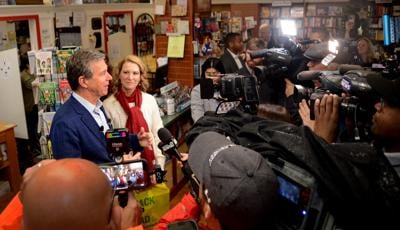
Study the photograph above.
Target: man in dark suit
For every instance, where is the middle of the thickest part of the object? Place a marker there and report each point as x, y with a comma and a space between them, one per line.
233, 47
79, 125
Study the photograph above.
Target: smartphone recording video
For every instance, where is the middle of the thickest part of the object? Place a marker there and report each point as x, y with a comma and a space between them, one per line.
127, 175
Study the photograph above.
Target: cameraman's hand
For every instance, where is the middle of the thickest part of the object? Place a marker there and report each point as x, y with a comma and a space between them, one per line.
304, 112
132, 156
289, 89
127, 217
185, 157
327, 117
145, 138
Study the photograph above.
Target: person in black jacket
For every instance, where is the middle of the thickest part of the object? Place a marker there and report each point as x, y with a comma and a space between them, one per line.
233, 47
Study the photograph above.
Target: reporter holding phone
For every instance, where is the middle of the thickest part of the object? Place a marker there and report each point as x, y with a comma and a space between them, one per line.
130, 107
79, 125
69, 194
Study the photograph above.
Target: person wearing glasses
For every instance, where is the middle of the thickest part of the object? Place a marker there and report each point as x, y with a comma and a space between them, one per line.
212, 68
55, 195
132, 108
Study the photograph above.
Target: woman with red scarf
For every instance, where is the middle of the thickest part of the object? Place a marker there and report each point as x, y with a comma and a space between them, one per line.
130, 107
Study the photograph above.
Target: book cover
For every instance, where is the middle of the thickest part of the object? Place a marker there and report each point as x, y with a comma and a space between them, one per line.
311, 10
265, 12
65, 90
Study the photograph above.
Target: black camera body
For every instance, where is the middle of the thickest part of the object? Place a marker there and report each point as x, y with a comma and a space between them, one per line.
241, 88
300, 205
236, 87
356, 105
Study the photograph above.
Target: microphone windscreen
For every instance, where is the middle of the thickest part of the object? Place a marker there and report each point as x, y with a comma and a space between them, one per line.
164, 135
344, 68
308, 75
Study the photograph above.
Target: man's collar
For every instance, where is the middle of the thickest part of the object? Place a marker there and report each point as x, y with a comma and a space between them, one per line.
230, 51
89, 106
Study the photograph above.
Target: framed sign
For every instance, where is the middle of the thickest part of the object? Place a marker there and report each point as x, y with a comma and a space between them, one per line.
203, 5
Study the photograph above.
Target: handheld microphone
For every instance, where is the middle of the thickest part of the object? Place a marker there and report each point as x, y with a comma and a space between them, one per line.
168, 143
344, 68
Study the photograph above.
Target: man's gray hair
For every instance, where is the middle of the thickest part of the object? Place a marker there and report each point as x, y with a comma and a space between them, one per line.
79, 65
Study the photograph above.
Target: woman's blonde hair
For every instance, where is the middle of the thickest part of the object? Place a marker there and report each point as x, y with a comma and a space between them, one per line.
144, 83
371, 53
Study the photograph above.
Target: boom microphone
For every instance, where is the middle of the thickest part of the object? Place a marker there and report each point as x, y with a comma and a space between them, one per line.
168, 143
344, 68
309, 75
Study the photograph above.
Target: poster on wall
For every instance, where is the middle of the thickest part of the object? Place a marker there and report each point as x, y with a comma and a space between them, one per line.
12, 111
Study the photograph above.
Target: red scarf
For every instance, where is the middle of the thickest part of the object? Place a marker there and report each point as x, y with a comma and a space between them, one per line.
136, 120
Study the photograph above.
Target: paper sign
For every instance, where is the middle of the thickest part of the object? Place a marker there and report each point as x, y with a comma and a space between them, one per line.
62, 19
159, 8
183, 27
176, 46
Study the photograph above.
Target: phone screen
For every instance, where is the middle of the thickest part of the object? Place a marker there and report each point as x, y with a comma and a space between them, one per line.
126, 175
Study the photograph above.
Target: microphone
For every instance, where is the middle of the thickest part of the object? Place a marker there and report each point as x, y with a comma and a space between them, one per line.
308, 41
309, 75
101, 128
168, 143
344, 68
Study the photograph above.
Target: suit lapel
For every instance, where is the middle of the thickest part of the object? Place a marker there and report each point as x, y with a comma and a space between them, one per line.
87, 119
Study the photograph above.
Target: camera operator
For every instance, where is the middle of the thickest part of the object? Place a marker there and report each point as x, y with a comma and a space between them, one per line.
237, 187
385, 127
212, 69
299, 109
79, 126
68, 194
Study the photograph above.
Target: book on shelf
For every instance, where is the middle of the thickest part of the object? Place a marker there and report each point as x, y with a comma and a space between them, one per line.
322, 11
311, 10
297, 12
275, 12
285, 12
335, 11
265, 12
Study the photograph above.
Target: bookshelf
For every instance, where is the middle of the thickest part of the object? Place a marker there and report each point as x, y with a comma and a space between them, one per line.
272, 15
332, 15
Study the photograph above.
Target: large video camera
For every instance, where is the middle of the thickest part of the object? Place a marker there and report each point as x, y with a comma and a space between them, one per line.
276, 62
356, 105
300, 205
234, 87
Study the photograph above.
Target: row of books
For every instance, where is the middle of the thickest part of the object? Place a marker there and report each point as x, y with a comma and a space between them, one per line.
332, 22
298, 11
275, 12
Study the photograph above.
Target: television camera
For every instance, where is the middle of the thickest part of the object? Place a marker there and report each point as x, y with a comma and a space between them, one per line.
355, 105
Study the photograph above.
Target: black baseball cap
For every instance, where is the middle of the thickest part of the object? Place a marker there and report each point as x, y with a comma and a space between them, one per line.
388, 89
241, 187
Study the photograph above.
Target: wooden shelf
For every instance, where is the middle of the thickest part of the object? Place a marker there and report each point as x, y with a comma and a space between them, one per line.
10, 169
